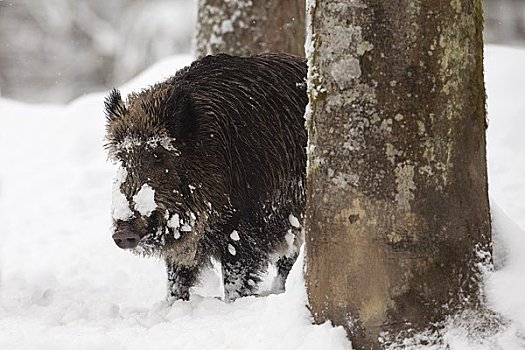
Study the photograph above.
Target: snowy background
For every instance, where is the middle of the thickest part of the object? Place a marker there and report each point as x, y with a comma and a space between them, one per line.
57, 50
64, 284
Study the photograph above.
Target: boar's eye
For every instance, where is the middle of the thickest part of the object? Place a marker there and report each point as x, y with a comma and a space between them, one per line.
157, 157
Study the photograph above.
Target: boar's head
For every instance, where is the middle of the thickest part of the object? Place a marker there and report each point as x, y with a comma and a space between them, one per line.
156, 201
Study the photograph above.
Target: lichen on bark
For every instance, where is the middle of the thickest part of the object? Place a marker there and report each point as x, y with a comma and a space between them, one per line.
246, 27
397, 187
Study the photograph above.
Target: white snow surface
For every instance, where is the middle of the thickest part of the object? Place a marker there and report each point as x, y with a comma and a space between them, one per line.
65, 285
231, 249
145, 200
294, 221
119, 203
174, 223
235, 235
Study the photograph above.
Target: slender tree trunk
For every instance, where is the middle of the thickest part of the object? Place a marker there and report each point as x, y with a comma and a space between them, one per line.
397, 213
245, 27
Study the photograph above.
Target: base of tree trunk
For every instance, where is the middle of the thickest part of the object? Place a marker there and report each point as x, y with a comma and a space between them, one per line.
397, 218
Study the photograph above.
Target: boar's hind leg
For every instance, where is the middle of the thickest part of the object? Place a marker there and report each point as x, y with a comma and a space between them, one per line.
284, 265
240, 273
293, 240
180, 279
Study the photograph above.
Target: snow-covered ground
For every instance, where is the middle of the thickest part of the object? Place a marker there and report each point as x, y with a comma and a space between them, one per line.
65, 285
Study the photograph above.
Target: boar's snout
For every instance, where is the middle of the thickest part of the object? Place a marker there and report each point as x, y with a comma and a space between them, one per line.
126, 239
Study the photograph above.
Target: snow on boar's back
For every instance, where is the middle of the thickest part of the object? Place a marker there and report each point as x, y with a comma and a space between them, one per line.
212, 165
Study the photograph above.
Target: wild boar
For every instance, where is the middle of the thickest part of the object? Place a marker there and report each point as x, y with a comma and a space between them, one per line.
212, 166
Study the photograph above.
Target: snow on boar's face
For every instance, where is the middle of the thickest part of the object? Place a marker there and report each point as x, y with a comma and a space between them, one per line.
155, 207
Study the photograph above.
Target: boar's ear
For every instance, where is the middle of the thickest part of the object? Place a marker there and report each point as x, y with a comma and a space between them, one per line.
114, 106
180, 115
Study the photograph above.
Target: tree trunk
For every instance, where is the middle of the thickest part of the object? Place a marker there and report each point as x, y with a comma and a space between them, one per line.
397, 215
246, 27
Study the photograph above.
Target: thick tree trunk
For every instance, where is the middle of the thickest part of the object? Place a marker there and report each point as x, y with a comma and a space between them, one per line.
246, 27
397, 210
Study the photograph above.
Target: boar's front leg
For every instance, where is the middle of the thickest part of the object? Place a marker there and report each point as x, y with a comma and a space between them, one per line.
180, 279
241, 268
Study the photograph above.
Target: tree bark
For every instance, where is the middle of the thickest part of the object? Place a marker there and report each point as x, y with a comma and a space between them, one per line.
397, 218
246, 27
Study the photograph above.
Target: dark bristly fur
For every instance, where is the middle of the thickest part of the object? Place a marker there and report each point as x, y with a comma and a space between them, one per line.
222, 143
